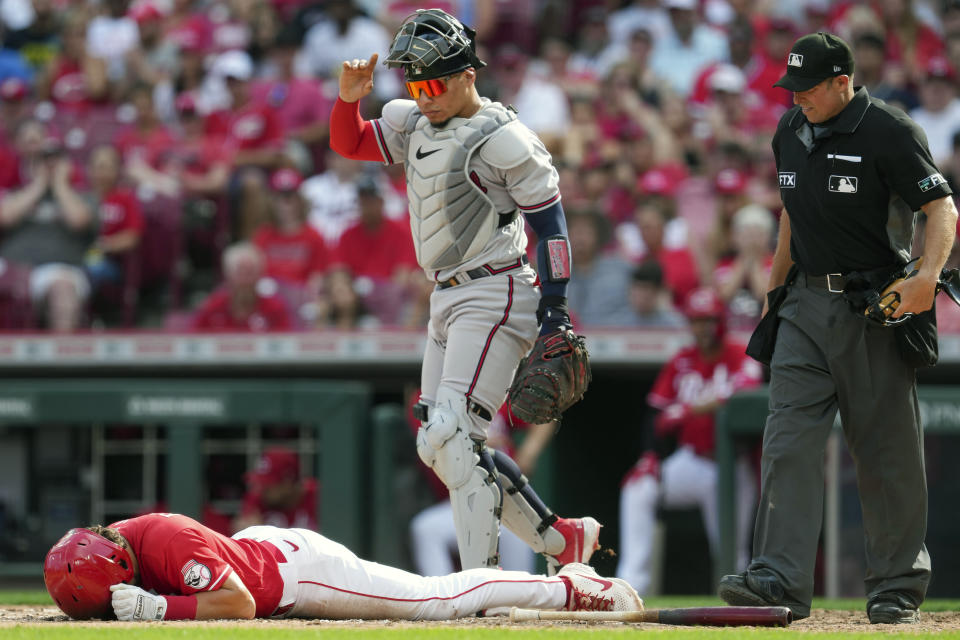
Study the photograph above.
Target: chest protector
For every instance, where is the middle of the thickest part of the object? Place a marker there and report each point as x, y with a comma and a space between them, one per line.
451, 218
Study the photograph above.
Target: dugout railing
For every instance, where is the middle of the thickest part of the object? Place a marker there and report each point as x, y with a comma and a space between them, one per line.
339, 412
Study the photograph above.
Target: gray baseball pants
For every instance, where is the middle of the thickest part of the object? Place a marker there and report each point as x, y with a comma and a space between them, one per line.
827, 358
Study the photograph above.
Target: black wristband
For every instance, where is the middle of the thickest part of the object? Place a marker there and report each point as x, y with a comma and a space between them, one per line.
553, 314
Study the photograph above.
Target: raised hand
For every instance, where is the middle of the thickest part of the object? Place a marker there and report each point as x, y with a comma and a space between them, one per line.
356, 78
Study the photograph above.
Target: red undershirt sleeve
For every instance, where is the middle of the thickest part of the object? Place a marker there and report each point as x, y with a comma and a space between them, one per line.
350, 135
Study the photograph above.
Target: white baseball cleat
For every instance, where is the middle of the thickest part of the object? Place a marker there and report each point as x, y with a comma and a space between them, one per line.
582, 537
589, 592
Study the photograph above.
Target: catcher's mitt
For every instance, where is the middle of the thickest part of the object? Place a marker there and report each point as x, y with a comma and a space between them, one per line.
551, 378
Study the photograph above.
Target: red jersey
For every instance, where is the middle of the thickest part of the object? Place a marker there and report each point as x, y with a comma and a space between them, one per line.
215, 315
680, 272
292, 258
299, 102
302, 515
689, 379
68, 87
119, 211
199, 155
376, 253
179, 556
253, 126
154, 145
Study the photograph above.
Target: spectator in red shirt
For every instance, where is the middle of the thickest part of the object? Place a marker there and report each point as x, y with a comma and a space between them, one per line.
147, 141
375, 246
295, 253
188, 27
14, 108
679, 266
255, 132
121, 221
74, 79
239, 305
302, 107
277, 495
202, 161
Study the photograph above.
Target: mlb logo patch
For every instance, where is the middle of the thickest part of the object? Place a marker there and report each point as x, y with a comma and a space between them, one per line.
843, 184
788, 180
795, 60
931, 181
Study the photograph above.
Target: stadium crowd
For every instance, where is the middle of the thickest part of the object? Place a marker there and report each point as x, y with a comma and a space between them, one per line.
165, 163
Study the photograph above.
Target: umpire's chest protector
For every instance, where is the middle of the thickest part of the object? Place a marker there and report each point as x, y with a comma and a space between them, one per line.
451, 218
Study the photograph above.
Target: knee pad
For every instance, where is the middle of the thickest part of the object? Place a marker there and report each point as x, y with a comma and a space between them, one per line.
444, 443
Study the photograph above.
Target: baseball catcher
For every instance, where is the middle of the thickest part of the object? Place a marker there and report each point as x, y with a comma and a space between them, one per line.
475, 174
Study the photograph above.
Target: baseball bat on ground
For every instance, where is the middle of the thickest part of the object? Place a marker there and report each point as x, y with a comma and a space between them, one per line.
700, 616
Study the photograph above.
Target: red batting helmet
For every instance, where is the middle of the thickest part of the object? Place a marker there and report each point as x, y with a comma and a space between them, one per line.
79, 570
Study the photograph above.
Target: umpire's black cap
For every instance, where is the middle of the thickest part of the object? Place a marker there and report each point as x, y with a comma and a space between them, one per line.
813, 59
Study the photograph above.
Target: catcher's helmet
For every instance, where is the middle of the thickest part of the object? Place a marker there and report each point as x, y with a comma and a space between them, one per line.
432, 44
79, 570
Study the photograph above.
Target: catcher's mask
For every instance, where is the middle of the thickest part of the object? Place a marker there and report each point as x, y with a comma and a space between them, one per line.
79, 570
431, 44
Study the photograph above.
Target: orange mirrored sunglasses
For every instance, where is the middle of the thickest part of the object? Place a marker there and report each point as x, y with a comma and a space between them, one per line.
432, 88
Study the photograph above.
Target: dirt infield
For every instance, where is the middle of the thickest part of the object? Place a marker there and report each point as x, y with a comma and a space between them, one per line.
822, 620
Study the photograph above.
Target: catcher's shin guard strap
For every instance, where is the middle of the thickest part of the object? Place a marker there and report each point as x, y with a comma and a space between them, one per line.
524, 513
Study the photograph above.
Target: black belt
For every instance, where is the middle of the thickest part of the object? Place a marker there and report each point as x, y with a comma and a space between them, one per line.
832, 282
482, 272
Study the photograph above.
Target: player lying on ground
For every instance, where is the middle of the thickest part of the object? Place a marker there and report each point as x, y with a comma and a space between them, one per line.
165, 566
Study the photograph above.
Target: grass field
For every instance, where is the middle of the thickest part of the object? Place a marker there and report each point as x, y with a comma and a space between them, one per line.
470, 630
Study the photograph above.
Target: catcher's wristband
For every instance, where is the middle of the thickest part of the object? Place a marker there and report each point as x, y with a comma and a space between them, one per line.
553, 309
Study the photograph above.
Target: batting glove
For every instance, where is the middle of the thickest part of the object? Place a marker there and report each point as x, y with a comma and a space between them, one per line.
133, 603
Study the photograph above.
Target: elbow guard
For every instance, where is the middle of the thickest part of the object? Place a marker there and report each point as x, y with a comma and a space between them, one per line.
553, 256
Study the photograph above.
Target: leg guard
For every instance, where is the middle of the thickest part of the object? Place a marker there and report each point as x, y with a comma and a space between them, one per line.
524, 513
444, 444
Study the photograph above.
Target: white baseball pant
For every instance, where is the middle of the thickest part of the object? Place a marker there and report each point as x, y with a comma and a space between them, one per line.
324, 579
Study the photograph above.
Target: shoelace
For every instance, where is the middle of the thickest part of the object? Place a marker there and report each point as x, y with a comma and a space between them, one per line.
590, 602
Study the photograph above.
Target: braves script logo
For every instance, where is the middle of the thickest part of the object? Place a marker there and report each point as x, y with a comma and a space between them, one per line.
788, 180
606, 584
795, 60
195, 575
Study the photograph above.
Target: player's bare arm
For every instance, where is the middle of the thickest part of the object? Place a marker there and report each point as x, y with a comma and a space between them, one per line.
231, 600
916, 293
356, 78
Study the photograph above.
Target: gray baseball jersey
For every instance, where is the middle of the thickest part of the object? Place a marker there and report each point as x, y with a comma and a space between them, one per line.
511, 169
479, 329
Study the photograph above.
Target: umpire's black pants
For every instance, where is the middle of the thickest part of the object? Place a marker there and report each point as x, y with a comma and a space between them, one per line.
829, 358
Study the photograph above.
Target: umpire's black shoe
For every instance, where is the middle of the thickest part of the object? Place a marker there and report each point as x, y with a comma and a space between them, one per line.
759, 589
891, 608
